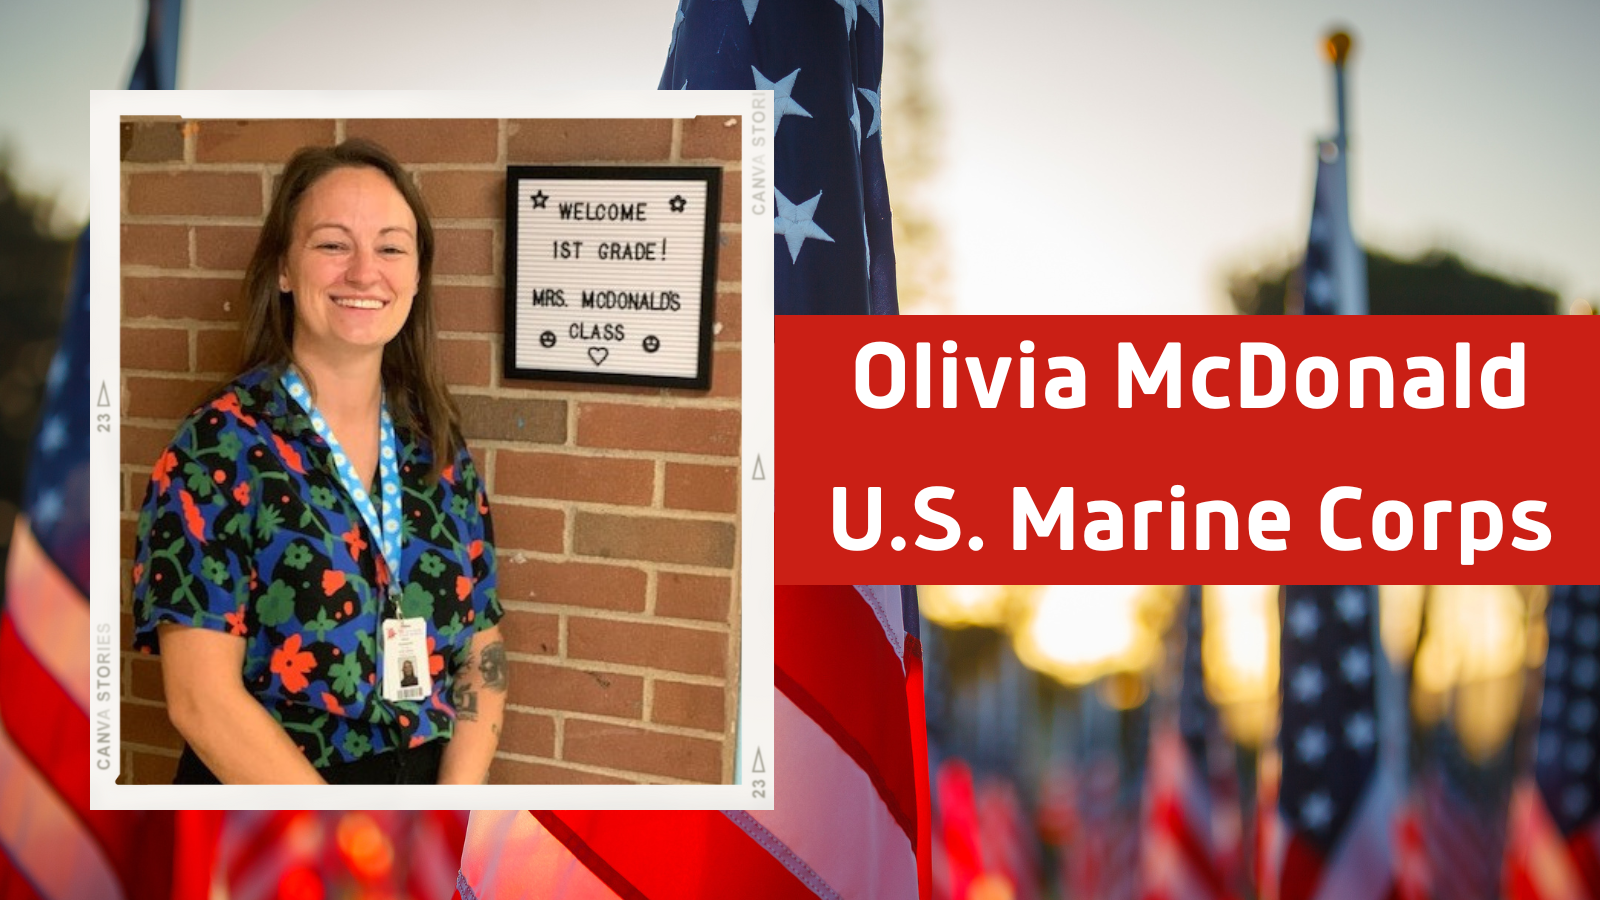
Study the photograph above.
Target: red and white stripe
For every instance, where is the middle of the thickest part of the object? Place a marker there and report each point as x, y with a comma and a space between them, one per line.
845, 822
1539, 864
54, 846
1361, 866
1180, 860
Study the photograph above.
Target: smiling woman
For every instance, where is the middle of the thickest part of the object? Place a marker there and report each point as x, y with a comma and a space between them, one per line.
314, 560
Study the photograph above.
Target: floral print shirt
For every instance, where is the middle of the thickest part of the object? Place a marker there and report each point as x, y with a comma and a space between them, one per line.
247, 529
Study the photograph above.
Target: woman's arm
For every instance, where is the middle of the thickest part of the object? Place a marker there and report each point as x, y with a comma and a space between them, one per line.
232, 734
478, 692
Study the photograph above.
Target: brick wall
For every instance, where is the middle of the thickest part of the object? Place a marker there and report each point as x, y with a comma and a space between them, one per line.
615, 507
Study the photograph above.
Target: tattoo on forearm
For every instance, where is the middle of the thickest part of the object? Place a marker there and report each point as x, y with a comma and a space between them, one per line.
464, 696
493, 666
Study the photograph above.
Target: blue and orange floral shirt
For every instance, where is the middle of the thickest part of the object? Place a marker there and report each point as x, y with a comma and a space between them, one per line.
246, 529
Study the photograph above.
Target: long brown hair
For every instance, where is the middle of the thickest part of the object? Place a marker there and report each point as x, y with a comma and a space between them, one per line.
417, 395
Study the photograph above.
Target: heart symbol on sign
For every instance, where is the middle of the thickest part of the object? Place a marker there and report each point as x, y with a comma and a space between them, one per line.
598, 354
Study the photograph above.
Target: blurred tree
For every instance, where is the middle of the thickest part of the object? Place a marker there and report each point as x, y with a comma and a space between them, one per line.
912, 138
34, 270
1436, 283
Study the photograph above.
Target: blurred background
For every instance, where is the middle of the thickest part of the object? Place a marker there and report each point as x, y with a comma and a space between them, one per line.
1153, 741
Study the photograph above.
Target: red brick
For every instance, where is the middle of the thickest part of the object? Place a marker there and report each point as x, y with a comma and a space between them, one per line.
152, 141
726, 375
144, 681
712, 432
706, 488
711, 137
165, 398
194, 194
162, 349
166, 246
529, 734
574, 584
515, 771
578, 140
528, 528
557, 476
141, 446
729, 263
468, 308
513, 419
432, 140
732, 197
226, 248
532, 633
574, 690
648, 645
730, 313
150, 768
637, 750
465, 362
150, 726
464, 194
686, 541
688, 705
463, 251
218, 350
264, 140
211, 299
693, 596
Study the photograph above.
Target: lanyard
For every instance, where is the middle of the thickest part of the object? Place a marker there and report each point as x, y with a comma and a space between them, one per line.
386, 526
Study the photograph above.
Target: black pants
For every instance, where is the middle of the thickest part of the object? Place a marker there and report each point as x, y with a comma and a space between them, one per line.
414, 766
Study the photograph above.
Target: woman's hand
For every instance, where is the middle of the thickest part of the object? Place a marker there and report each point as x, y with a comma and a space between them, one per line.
478, 692
237, 739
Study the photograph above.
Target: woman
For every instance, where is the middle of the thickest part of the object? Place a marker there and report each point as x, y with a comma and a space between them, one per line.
315, 560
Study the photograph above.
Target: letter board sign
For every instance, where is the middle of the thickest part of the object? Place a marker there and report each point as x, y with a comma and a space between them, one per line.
611, 273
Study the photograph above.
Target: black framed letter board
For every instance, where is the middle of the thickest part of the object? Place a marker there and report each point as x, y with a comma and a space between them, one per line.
611, 273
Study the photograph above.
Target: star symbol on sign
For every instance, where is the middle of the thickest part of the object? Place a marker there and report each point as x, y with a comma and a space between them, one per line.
877, 112
1317, 811
1312, 746
677, 203
1360, 732
1356, 665
1352, 603
782, 103
1307, 684
793, 221
1303, 619
539, 199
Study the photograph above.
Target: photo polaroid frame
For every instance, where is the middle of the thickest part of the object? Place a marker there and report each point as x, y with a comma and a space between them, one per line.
115, 487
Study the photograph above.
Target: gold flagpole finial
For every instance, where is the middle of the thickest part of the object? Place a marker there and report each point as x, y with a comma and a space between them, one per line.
1337, 47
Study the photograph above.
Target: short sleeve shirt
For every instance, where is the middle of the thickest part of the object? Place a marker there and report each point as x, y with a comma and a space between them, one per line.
247, 529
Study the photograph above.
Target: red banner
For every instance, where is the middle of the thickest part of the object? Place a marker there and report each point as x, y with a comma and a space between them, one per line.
1091, 449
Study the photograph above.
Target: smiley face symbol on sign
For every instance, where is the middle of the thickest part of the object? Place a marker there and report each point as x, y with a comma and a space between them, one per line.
651, 343
547, 340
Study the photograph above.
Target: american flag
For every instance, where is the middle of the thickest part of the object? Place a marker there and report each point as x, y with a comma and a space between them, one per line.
1103, 863
851, 790
1335, 800
823, 61
1333, 278
1181, 856
852, 811
1463, 839
1555, 843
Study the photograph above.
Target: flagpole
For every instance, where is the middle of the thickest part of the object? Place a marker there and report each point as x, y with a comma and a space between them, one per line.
1338, 46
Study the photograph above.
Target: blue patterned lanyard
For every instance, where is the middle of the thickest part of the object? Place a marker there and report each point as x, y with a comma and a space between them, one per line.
387, 526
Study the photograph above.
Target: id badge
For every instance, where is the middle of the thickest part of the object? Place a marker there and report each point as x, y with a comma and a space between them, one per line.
405, 660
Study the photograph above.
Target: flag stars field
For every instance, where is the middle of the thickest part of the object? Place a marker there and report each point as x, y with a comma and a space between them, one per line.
793, 221
783, 103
